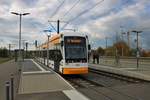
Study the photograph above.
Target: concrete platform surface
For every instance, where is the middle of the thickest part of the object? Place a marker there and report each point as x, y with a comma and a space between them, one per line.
6, 69
42, 84
57, 95
30, 65
140, 73
43, 96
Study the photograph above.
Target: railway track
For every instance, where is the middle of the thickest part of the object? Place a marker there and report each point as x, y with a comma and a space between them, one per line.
117, 76
97, 86
81, 82
78, 81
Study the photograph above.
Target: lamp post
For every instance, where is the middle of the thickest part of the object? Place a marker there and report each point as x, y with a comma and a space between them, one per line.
137, 46
9, 49
23, 43
20, 18
48, 36
26, 48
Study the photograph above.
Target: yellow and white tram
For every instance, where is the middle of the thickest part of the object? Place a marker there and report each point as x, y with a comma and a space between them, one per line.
68, 53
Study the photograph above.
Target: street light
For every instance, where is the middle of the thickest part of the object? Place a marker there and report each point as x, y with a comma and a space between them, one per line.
20, 16
48, 35
137, 46
23, 44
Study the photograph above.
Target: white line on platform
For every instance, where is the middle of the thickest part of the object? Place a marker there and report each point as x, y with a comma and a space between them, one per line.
38, 66
65, 80
75, 95
36, 72
128, 68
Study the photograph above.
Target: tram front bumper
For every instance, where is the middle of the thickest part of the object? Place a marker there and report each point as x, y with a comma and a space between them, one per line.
82, 70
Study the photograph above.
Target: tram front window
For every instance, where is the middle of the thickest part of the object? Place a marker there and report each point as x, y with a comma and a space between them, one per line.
75, 49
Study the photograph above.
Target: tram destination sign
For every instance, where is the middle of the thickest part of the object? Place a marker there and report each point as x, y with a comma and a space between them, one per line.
75, 40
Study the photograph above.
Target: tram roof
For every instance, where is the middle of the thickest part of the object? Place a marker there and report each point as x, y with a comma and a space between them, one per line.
70, 34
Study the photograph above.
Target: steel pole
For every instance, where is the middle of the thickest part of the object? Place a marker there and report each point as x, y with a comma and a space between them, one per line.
26, 48
48, 50
137, 44
58, 22
9, 50
137, 50
20, 37
128, 36
106, 42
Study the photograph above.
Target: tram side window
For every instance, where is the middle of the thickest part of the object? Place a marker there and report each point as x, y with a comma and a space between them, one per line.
44, 53
51, 54
55, 55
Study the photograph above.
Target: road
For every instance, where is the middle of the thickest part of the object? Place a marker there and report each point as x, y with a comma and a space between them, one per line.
2, 60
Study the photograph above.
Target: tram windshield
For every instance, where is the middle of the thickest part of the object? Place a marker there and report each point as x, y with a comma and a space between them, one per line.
75, 48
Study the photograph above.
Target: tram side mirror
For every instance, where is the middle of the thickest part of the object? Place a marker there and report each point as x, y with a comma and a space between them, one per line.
62, 43
89, 47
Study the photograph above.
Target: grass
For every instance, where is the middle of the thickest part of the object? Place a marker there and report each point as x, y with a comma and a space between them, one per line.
2, 60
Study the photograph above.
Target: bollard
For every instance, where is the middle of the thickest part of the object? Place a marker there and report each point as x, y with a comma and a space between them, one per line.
12, 86
44, 60
41, 60
19, 65
7, 90
19, 69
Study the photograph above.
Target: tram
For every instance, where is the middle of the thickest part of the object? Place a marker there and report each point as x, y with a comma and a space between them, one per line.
67, 53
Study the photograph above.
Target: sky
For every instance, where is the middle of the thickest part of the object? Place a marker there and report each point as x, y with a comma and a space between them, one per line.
96, 18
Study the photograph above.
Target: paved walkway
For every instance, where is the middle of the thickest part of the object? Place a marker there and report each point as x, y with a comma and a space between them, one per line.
40, 83
36, 83
6, 69
141, 72
35, 79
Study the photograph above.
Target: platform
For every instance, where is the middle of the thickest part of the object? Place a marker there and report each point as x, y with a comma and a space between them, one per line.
139, 73
38, 83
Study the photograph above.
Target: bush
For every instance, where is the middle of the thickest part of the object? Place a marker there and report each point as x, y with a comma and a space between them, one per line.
3, 52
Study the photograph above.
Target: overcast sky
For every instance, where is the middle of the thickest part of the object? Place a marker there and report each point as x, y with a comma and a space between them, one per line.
97, 18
